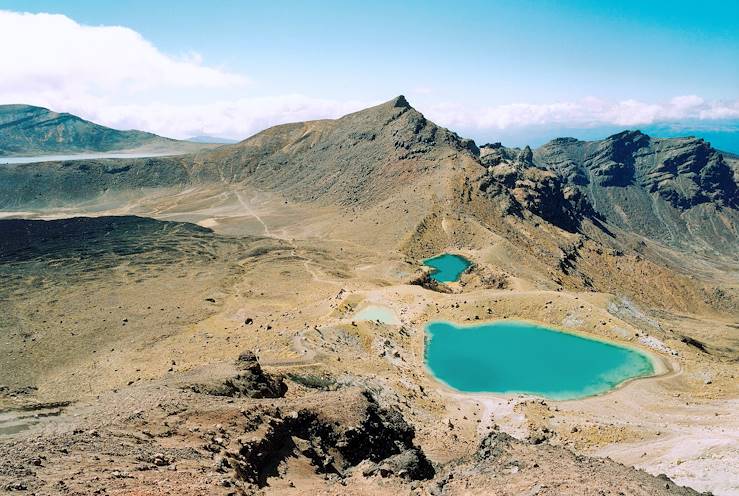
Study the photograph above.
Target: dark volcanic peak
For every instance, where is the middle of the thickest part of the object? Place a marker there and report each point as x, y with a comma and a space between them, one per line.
400, 101
671, 189
684, 171
678, 191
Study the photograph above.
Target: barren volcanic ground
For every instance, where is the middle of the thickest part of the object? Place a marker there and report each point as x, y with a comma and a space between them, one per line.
185, 325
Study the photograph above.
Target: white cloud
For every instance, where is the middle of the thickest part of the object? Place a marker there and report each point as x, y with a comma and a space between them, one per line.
422, 90
53, 55
113, 76
586, 112
235, 119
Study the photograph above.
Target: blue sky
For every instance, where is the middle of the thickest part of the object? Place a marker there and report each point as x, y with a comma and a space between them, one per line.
485, 68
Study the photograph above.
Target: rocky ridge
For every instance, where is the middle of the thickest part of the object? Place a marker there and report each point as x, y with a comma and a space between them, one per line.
537, 189
678, 191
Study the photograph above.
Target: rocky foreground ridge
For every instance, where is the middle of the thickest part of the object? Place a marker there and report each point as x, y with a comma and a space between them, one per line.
344, 439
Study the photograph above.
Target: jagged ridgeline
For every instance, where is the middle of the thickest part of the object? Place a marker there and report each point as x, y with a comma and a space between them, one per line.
678, 191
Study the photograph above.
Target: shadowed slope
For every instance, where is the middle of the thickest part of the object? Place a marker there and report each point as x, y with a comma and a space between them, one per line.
679, 191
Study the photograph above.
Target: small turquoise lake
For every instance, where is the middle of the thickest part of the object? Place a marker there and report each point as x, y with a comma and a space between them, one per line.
519, 357
447, 267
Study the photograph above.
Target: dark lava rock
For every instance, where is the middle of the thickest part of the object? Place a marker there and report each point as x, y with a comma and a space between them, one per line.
382, 437
250, 382
512, 174
694, 343
410, 464
493, 445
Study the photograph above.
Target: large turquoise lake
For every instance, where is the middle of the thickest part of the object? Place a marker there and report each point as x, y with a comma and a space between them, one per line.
518, 357
447, 267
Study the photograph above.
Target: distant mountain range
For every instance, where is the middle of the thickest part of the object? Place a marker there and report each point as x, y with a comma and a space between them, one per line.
212, 139
723, 135
677, 191
27, 130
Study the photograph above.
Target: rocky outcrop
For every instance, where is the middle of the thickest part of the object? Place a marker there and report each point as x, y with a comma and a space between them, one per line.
539, 190
689, 172
250, 382
527, 468
382, 441
612, 163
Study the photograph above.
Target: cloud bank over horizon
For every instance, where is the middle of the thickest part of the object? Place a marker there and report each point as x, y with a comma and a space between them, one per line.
113, 76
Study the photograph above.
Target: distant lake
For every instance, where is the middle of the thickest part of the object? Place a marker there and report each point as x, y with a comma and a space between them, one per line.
519, 357
81, 156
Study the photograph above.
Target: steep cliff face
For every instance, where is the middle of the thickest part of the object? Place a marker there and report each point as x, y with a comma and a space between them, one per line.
683, 171
679, 191
540, 190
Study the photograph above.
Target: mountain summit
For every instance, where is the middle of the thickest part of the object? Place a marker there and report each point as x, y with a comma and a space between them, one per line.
363, 156
679, 191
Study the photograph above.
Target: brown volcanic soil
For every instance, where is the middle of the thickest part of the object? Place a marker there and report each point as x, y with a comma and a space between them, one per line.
301, 295
283, 276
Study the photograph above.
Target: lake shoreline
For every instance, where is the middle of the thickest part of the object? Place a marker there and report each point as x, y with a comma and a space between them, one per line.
660, 366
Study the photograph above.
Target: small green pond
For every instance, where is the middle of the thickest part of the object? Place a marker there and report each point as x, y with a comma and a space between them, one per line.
518, 357
447, 267
377, 313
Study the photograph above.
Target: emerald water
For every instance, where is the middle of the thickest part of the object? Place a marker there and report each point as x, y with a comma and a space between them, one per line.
517, 357
447, 267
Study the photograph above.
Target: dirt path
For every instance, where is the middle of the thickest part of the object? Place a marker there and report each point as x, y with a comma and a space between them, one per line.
252, 213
